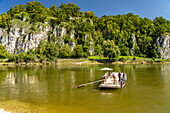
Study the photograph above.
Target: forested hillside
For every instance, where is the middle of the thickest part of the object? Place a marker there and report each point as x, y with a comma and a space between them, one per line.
70, 32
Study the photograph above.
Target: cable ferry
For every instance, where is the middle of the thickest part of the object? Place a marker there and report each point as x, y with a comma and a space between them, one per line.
109, 80
113, 80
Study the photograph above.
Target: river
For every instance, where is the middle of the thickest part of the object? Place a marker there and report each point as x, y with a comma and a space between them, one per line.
50, 89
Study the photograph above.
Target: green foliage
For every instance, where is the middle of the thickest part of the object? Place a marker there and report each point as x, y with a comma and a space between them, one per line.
89, 14
37, 11
30, 56
48, 50
22, 57
65, 51
12, 58
52, 51
110, 49
34, 28
78, 52
110, 35
98, 50
97, 57
122, 59
154, 53
159, 55
4, 19
124, 50
71, 9
3, 53
66, 38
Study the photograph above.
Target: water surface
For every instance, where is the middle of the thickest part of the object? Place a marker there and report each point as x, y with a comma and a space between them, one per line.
51, 89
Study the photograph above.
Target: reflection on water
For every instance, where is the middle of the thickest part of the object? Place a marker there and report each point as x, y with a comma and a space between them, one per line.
52, 87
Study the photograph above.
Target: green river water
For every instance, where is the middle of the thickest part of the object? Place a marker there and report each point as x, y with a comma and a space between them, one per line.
50, 89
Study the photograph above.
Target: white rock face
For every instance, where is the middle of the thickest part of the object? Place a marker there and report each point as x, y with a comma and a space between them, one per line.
134, 42
60, 33
164, 46
24, 19
71, 43
89, 40
18, 39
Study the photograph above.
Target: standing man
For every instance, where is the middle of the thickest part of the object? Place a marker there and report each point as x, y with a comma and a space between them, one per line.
119, 75
123, 76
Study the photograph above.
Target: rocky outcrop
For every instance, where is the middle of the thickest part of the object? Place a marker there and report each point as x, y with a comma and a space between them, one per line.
60, 33
71, 43
23, 36
20, 38
163, 44
132, 50
89, 41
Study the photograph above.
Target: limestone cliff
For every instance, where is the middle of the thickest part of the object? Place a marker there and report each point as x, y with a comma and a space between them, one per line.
89, 40
71, 43
163, 44
132, 50
23, 36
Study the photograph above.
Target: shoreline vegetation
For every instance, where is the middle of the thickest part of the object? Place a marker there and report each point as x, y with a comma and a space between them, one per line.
91, 60
38, 35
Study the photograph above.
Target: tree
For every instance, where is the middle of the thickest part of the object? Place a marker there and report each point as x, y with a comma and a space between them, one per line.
4, 20
110, 49
74, 9
88, 30
21, 56
98, 50
78, 52
19, 8
54, 10
154, 53
37, 11
29, 56
52, 51
144, 43
162, 25
65, 51
124, 50
40, 50
3, 52
16, 10
89, 14
70, 9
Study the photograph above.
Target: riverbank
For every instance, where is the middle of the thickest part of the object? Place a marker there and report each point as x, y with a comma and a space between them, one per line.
91, 61
97, 61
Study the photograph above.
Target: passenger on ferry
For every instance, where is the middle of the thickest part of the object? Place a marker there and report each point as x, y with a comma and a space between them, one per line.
119, 75
114, 77
123, 76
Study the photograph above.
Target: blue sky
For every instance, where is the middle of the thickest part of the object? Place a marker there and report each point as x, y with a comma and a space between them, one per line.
143, 8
